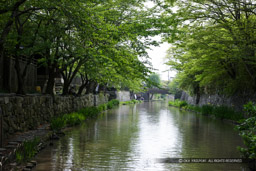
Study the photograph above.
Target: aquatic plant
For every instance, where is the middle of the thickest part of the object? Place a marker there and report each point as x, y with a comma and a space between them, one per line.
183, 104
73, 118
222, 112
112, 103
193, 108
27, 151
90, 111
58, 123
102, 107
207, 109
76, 118
131, 102
178, 103
225, 112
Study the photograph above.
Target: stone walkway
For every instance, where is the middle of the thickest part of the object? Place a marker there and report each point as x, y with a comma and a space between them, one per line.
7, 154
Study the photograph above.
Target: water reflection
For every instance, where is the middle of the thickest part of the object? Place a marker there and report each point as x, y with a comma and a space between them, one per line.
133, 137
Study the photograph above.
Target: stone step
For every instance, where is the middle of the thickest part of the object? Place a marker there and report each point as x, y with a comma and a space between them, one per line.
30, 165
11, 146
33, 162
26, 169
13, 143
2, 149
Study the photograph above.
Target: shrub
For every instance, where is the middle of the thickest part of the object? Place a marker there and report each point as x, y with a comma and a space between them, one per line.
246, 130
250, 109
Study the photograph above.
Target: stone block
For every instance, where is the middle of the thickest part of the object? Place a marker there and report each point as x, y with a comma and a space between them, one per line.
23, 113
1, 100
6, 100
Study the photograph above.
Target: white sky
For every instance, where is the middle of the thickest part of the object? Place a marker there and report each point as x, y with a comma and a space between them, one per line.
157, 55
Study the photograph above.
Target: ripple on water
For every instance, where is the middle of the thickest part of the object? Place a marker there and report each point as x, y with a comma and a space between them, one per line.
133, 137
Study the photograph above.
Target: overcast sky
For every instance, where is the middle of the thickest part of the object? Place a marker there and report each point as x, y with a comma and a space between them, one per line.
157, 55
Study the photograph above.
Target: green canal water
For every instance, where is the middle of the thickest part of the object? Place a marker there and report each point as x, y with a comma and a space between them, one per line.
135, 137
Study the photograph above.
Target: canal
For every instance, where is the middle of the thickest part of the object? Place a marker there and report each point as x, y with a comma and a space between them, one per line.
135, 137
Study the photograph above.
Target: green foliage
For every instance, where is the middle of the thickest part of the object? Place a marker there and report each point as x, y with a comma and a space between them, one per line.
112, 103
221, 112
207, 109
193, 108
102, 107
104, 40
73, 119
210, 51
77, 118
183, 104
57, 124
131, 102
89, 111
154, 80
178, 103
250, 109
27, 151
247, 129
224, 112
174, 86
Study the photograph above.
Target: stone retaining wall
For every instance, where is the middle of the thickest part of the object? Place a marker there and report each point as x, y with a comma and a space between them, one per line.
123, 95
235, 101
22, 113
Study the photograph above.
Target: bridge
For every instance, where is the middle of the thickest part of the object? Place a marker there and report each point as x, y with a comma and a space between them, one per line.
158, 91
150, 93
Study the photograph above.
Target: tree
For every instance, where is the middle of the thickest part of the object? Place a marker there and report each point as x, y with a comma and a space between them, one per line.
154, 80
214, 47
174, 89
15, 42
102, 41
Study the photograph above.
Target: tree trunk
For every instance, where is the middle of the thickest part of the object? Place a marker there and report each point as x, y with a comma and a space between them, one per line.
90, 88
81, 89
66, 85
151, 96
85, 82
20, 79
50, 83
197, 92
1, 70
197, 98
